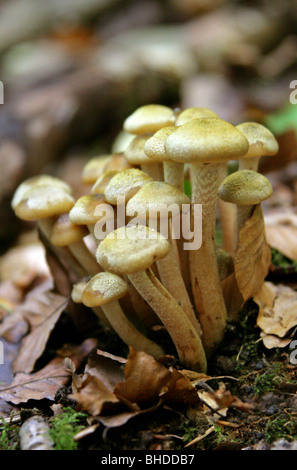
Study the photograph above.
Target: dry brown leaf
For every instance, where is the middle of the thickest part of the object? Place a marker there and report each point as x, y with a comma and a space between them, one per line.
277, 309
46, 382
42, 312
94, 396
253, 255
146, 380
272, 341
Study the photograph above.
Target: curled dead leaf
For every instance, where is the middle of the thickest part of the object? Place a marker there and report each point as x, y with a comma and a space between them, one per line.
253, 255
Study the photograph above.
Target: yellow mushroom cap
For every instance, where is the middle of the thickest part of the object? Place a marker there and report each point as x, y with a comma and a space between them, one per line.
94, 168
77, 291
131, 249
40, 180
261, 141
83, 211
155, 196
125, 184
189, 114
149, 118
41, 202
102, 181
245, 187
134, 153
154, 147
64, 232
104, 288
206, 140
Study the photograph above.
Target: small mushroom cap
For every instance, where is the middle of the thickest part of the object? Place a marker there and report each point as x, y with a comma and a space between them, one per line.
154, 147
194, 113
103, 180
149, 118
104, 288
155, 196
94, 168
245, 187
41, 202
134, 153
64, 232
103, 164
39, 180
125, 184
206, 140
131, 249
83, 211
261, 141
77, 291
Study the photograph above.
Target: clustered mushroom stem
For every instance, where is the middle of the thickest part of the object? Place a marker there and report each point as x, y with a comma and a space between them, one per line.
154, 169
206, 283
174, 174
127, 331
184, 336
171, 277
45, 226
227, 215
85, 257
249, 163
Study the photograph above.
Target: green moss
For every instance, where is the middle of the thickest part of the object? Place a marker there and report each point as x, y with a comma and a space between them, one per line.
65, 426
267, 381
8, 436
281, 261
282, 427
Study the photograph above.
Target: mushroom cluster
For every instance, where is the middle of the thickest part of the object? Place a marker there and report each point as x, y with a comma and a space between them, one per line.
148, 265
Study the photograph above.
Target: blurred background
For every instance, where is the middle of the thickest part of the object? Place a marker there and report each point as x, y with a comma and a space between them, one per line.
73, 70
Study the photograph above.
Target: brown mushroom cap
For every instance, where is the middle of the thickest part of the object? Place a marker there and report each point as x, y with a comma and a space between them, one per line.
189, 114
261, 141
134, 153
83, 211
94, 168
154, 196
131, 249
64, 232
125, 184
41, 202
245, 187
40, 180
104, 288
149, 118
206, 140
154, 147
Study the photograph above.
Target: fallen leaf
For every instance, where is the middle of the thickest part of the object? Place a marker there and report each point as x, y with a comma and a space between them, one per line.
277, 309
42, 312
44, 383
282, 236
253, 255
272, 341
146, 380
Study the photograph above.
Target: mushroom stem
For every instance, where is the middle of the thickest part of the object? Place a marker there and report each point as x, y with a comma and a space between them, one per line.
127, 331
205, 278
174, 174
84, 257
227, 214
171, 277
184, 336
45, 226
243, 213
251, 163
154, 169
